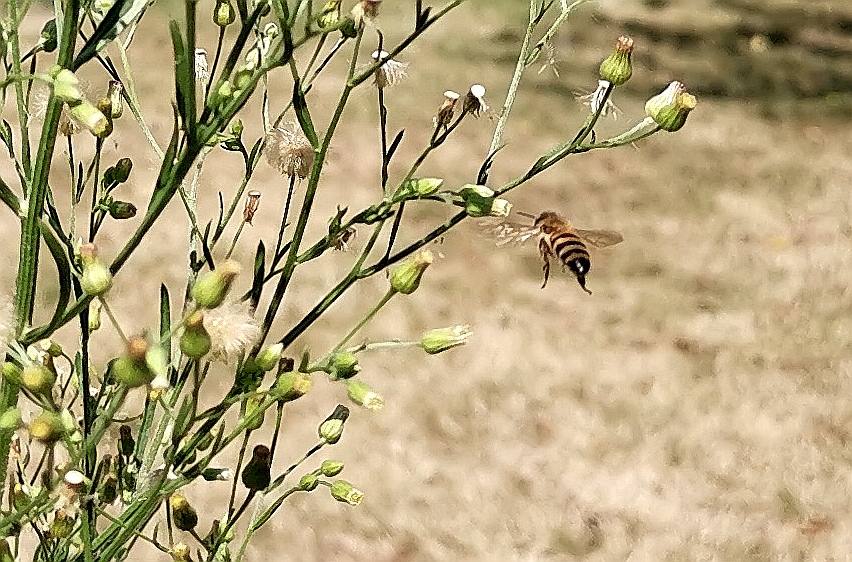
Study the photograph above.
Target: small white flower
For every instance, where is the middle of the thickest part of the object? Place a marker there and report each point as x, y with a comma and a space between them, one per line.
474, 102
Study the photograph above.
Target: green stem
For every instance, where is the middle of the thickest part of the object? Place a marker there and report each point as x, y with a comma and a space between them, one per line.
369, 316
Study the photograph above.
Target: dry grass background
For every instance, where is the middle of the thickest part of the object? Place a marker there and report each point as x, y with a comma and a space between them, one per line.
696, 407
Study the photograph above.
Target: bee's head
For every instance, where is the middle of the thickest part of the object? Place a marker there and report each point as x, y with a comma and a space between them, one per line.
547, 219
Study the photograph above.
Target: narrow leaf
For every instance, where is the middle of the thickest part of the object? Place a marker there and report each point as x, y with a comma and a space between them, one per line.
165, 320
300, 107
259, 274
63, 270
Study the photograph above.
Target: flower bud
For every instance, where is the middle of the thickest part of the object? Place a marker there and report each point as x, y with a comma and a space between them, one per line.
331, 429
291, 385
66, 86
211, 289
91, 118
105, 106
308, 482
97, 278
343, 491
181, 553
267, 359
256, 475
126, 443
38, 379
331, 468
121, 210
344, 365
329, 16
252, 413
12, 373
224, 13
195, 342
108, 490
183, 514
47, 37
132, 369
617, 68
121, 170
216, 474
670, 108
479, 201
442, 339
115, 100
10, 420
363, 395
47, 427
406, 277
95, 314
61, 525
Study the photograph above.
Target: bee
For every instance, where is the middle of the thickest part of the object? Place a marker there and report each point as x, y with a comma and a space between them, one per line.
557, 238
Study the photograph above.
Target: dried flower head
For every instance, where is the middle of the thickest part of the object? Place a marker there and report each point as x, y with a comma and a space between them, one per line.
474, 101
202, 73
447, 109
232, 329
252, 202
365, 10
289, 151
596, 98
390, 73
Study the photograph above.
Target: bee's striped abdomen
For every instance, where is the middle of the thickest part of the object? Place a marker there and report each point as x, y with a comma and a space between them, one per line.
572, 252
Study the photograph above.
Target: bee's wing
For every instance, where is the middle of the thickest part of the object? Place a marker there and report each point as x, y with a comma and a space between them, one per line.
507, 232
600, 238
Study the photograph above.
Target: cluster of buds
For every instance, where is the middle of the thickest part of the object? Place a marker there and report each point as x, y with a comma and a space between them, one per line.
66, 87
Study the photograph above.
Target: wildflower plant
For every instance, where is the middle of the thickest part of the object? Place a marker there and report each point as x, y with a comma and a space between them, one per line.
84, 498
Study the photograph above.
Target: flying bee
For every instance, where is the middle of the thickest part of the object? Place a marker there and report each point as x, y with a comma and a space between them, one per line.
556, 238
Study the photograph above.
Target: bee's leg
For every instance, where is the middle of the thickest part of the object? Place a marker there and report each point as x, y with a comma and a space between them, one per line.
544, 250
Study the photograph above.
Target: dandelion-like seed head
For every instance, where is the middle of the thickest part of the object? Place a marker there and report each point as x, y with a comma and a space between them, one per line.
289, 151
232, 329
390, 73
202, 73
474, 101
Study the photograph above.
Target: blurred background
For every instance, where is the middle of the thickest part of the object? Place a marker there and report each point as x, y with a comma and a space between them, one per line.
695, 407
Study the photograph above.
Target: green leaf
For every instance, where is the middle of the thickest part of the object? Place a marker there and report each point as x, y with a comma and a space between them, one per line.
165, 319
184, 80
259, 274
6, 136
8, 197
300, 107
120, 16
63, 270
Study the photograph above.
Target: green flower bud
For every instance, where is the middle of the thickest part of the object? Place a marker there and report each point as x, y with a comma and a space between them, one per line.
363, 395
329, 16
61, 526
91, 118
256, 475
47, 37
331, 468
308, 482
267, 359
47, 427
121, 170
105, 107
211, 289
670, 108
115, 100
617, 68
131, 369
291, 385
10, 420
97, 278
344, 365
38, 379
95, 314
195, 342
252, 413
108, 490
442, 339
216, 474
183, 514
418, 187
331, 429
343, 491
348, 28
121, 210
406, 277
479, 201
12, 373
224, 13
126, 443
66, 86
